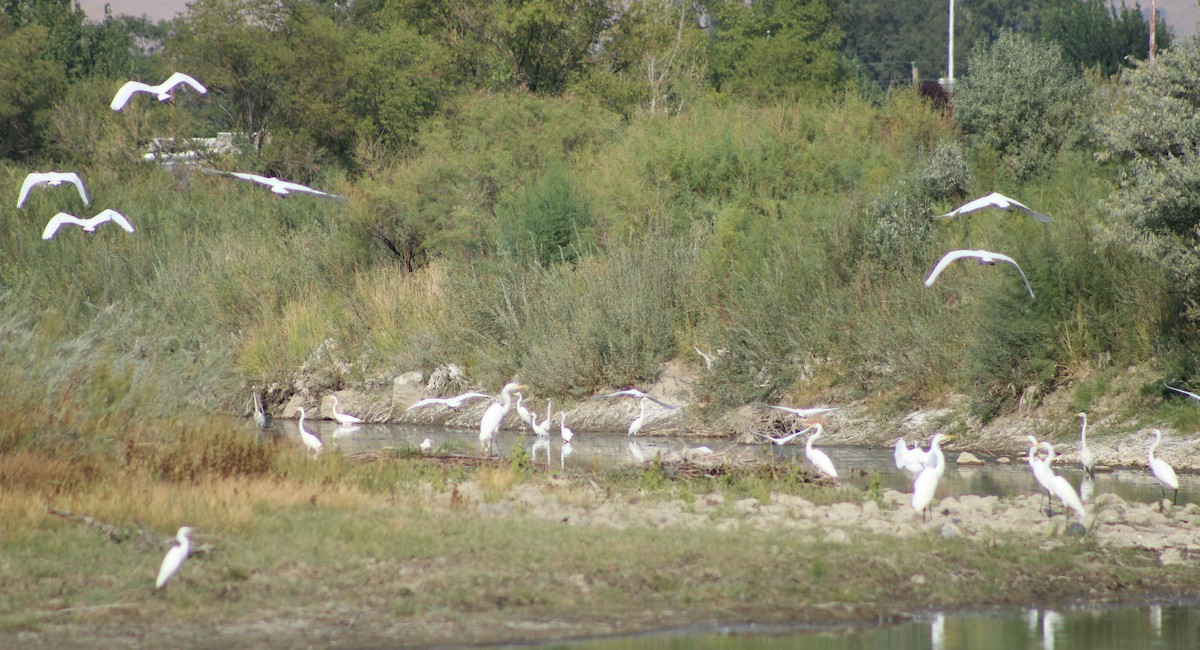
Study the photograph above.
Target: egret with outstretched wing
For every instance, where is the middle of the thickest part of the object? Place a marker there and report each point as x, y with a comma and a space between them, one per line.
162, 90
277, 185
803, 412
89, 225
53, 179
455, 402
633, 392
995, 200
985, 257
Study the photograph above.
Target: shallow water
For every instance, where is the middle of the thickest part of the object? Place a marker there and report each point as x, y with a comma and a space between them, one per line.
591, 451
1151, 627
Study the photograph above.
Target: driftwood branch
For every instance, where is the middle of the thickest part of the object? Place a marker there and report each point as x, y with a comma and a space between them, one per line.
138, 535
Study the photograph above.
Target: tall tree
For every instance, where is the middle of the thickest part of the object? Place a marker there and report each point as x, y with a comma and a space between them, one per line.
30, 84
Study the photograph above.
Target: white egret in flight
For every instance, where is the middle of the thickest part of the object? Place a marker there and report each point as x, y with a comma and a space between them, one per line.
162, 90
53, 179
493, 417
344, 419
985, 257
633, 392
174, 558
89, 225
278, 186
785, 439
452, 403
1162, 470
818, 457
567, 434
310, 441
995, 200
1086, 457
1184, 392
803, 413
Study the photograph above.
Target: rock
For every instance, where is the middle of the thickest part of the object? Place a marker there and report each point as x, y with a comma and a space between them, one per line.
406, 390
967, 458
1172, 556
1004, 460
950, 531
837, 536
917, 579
1076, 529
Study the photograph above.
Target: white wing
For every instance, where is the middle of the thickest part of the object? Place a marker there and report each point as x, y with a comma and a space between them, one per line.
170, 565
53, 178
426, 402
32, 179
804, 412
180, 78
74, 178
995, 200
58, 220
633, 392
115, 217
126, 91
460, 399
1183, 392
985, 256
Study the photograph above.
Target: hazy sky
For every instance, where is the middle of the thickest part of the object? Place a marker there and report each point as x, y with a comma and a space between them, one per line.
1182, 15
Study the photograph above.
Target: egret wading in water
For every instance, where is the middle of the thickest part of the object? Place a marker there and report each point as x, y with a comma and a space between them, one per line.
494, 416
995, 200
985, 257
523, 413
635, 427
926, 483
310, 441
260, 416
88, 225
818, 457
1042, 472
567, 434
1086, 458
174, 559
53, 179
452, 403
162, 91
1061, 487
344, 419
1162, 471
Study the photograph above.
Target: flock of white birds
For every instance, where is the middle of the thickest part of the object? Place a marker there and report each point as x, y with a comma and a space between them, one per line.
163, 92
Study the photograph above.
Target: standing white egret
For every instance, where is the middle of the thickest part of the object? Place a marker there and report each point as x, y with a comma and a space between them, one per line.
523, 413
1086, 458
1162, 471
162, 90
494, 416
1061, 487
635, 426
926, 484
1041, 471
88, 225
53, 179
277, 185
785, 439
633, 392
426, 446
260, 416
995, 200
567, 434
818, 457
344, 419
542, 429
985, 257
452, 403
174, 559
310, 441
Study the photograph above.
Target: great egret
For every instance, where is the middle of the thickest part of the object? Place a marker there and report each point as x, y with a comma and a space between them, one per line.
174, 559
542, 429
995, 200
310, 441
277, 185
635, 427
985, 257
910, 458
1086, 458
567, 434
926, 484
1041, 471
89, 225
803, 413
452, 403
53, 179
426, 446
344, 419
523, 413
1061, 487
260, 416
1184, 392
494, 416
1162, 471
162, 90
818, 457
633, 392
785, 439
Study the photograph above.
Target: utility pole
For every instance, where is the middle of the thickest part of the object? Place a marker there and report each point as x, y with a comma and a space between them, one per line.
950, 55
1153, 47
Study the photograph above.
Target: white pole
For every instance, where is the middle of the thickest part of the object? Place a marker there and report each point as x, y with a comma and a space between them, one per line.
950, 57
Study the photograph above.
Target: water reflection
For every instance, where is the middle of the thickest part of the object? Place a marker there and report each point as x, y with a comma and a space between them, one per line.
859, 466
1177, 628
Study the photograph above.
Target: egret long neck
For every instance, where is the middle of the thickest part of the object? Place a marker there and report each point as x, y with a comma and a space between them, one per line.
1083, 431
1154, 445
